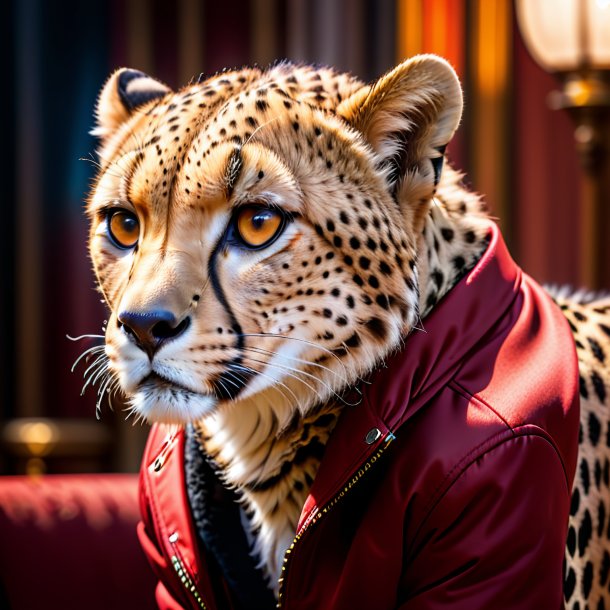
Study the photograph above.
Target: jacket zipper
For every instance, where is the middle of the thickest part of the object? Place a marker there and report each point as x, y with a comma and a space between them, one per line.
309, 524
187, 581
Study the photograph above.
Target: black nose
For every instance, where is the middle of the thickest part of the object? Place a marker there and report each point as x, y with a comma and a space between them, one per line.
151, 329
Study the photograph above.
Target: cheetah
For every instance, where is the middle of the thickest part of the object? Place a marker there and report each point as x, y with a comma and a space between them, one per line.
250, 236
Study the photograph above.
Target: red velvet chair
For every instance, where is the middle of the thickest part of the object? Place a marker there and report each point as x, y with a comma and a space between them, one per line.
69, 542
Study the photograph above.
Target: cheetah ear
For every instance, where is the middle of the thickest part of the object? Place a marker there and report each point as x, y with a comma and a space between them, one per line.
408, 116
124, 91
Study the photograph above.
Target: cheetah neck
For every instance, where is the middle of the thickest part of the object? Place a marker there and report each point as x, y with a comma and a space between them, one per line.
271, 456
454, 237
271, 464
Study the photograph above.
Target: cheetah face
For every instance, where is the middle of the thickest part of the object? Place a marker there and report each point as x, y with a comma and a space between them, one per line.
255, 235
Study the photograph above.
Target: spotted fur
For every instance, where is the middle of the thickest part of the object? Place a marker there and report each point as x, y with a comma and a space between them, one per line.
587, 580
262, 348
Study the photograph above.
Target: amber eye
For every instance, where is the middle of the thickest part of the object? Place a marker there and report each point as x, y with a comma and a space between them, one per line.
258, 226
123, 228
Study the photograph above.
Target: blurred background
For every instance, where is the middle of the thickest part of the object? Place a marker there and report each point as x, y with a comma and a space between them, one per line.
56, 56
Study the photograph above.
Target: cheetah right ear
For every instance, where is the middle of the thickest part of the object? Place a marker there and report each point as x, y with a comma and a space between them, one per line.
408, 116
124, 91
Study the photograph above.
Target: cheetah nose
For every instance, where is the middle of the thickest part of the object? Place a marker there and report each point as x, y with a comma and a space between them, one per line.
149, 330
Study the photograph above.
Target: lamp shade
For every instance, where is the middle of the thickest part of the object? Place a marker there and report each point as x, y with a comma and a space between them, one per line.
566, 35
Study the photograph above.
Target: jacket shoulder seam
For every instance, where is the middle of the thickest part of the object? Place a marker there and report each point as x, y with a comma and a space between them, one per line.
469, 460
456, 386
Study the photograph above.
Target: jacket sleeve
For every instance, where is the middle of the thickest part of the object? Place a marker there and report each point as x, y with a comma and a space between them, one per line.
496, 537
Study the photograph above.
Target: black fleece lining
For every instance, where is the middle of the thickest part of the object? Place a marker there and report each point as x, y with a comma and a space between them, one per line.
216, 514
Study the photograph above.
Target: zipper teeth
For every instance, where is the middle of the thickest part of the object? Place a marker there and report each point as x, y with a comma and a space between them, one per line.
186, 580
308, 525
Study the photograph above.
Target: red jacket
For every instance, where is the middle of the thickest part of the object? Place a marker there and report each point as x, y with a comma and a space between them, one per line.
447, 487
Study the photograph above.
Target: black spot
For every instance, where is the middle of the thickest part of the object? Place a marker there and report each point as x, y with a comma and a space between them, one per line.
373, 281
353, 341
364, 262
368, 204
598, 386
363, 223
318, 260
597, 470
594, 428
604, 568
330, 255
605, 329
344, 218
382, 301
262, 105
295, 126
358, 280
437, 278
349, 299
337, 241
584, 533
385, 268
569, 584
447, 234
584, 475
459, 263
376, 327
597, 350
469, 237
348, 260
341, 320
583, 387
571, 541
587, 579
335, 292
601, 517
318, 229
371, 244
580, 316
354, 242
431, 301
252, 121
327, 313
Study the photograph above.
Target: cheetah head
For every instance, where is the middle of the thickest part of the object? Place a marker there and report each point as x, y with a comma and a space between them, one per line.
255, 235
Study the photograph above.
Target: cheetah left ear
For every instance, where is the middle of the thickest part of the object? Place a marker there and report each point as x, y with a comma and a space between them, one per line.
408, 116
122, 93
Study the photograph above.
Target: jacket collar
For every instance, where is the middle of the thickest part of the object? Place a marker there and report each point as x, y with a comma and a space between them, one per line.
426, 362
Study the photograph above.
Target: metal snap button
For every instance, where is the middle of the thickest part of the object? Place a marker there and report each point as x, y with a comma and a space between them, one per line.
158, 464
372, 436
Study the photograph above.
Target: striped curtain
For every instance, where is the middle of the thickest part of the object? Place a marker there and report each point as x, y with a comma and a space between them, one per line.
57, 55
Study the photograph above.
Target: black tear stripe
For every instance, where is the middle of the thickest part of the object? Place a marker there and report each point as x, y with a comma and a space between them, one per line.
229, 383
